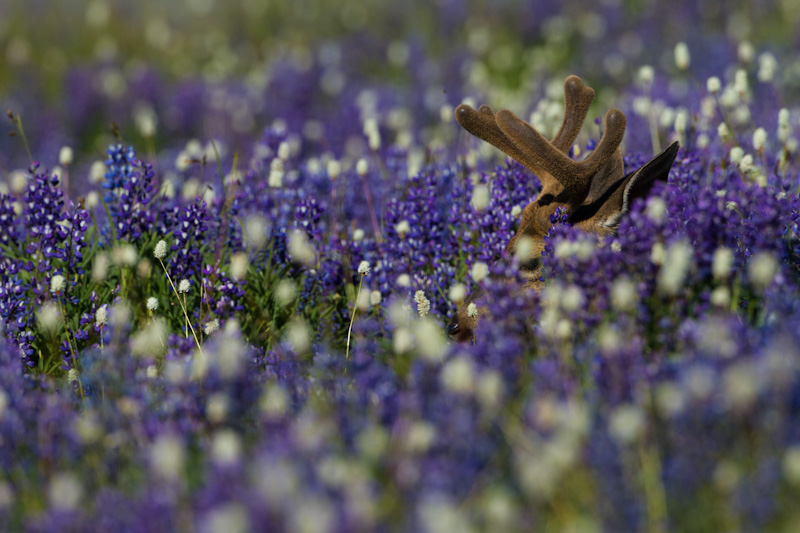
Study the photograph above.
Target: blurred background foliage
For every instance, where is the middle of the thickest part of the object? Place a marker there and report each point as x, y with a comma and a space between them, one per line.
71, 68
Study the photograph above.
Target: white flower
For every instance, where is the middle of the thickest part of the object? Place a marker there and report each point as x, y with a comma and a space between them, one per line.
623, 294
736, 154
226, 447
167, 456
480, 197
239, 265
285, 292
626, 424
759, 139
57, 283
402, 228
479, 271
457, 293
762, 269
358, 235
183, 286
161, 249
152, 303
656, 209
472, 310
65, 156
516, 211
746, 164
363, 268
124, 255
678, 260
721, 297
211, 326
334, 169
423, 304
101, 315
646, 75
403, 280
458, 375
375, 298
300, 249
722, 263
740, 83
723, 132
97, 172
713, 85
362, 167
682, 56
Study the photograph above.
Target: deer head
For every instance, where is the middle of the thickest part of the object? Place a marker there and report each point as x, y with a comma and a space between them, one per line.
595, 192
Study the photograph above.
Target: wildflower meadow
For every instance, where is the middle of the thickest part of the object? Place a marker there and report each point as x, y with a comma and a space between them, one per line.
232, 235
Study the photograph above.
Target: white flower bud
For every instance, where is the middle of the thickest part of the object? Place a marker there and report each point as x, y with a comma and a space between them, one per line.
363, 268
722, 263
736, 154
480, 197
375, 298
762, 269
152, 303
472, 310
57, 283
160, 250
759, 139
183, 286
423, 304
65, 156
402, 228
457, 293
479, 271
362, 167
682, 57
646, 75
713, 85
101, 315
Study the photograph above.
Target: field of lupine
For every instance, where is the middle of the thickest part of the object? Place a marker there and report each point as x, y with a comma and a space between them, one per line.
228, 257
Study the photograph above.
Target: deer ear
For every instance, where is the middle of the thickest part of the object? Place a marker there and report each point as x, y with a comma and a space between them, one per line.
657, 169
638, 184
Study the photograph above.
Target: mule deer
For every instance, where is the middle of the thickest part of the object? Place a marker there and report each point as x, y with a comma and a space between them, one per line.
595, 192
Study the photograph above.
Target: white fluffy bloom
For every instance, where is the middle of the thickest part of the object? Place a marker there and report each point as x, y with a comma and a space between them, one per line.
480, 197
362, 167
723, 132
472, 310
152, 303
721, 297
167, 456
479, 271
363, 268
762, 269
239, 265
183, 286
57, 283
722, 263
334, 169
124, 255
404, 280
101, 315
767, 66
682, 56
759, 139
626, 424
736, 154
516, 211
285, 292
358, 235
300, 249
746, 164
740, 83
211, 326
457, 293
646, 75
623, 294
656, 209
65, 156
375, 298
678, 260
423, 304
65, 492
97, 172
458, 375
161, 249
713, 85
402, 228
226, 447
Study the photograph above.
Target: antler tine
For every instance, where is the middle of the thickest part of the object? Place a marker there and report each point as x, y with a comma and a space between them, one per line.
575, 176
577, 99
482, 124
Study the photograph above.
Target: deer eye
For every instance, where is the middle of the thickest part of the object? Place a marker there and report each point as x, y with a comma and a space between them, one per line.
531, 265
